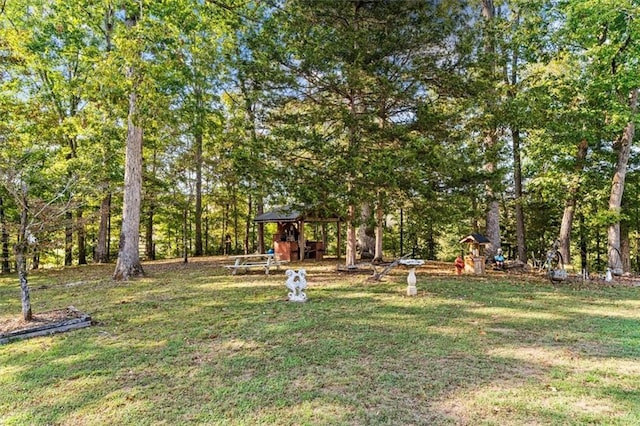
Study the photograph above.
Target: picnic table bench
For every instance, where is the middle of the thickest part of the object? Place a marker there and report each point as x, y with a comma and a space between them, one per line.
257, 260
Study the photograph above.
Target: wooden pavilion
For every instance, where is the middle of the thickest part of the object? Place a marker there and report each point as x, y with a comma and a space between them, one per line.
289, 241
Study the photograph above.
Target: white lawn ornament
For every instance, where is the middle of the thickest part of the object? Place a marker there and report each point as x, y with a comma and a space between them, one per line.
411, 277
296, 282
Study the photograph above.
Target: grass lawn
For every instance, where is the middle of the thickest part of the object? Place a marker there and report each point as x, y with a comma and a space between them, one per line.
191, 344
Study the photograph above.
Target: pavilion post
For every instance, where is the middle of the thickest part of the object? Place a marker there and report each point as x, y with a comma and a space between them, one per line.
302, 240
338, 254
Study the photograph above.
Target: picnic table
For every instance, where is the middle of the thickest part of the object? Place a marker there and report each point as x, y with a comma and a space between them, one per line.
256, 260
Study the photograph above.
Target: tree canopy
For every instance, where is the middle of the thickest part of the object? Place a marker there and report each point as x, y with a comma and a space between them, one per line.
450, 115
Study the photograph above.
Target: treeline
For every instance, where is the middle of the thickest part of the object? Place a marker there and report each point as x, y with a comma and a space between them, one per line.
515, 119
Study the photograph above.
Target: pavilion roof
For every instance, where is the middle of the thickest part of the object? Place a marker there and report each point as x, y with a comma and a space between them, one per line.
475, 238
280, 214
286, 214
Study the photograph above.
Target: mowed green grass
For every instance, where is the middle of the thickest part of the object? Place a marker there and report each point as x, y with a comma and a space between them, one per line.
191, 344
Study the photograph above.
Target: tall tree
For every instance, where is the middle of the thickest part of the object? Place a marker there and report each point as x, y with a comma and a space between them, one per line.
622, 146
128, 264
609, 44
350, 69
491, 131
571, 203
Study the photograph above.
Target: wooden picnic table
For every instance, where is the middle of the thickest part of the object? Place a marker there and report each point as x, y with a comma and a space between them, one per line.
256, 260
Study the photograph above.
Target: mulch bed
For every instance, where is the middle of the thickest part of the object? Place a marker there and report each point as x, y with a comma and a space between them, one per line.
42, 324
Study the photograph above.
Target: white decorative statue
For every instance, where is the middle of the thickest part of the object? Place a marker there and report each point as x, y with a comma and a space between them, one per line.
296, 282
411, 278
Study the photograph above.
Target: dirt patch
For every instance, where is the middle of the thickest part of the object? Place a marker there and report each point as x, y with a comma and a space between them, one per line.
9, 325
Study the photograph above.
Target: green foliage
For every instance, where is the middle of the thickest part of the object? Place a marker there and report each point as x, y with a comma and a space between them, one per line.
318, 103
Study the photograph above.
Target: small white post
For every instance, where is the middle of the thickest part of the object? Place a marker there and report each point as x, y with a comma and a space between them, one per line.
411, 278
411, 282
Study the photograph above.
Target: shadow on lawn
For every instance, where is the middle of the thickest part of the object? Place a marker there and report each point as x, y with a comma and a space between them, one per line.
223, 349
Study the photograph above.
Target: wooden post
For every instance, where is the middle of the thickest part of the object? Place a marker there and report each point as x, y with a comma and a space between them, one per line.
339, 245
301, 239
324, 238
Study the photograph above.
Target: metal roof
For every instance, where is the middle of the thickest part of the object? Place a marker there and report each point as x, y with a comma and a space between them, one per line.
281, 214
291, 214
475, 238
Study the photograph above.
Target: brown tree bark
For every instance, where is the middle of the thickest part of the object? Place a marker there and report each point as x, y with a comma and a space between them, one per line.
21, 249
185, 231
68, 238
350, 254
625, 247
82, 238
102, 251
366, 241
378, 255
259, 211
521, 240
128, 264
491, 139
247, 227
149, 246
6, 267
571, 202
623, 149
198, 251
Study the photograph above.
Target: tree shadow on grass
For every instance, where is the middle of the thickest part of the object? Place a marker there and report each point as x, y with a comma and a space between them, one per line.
228, 350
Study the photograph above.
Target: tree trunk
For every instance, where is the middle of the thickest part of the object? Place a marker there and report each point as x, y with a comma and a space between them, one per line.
236, 218
82, 239
401, 232
6, 267
247, 228
378, 256
517, 177
185, 251
102, 249
491, 138
101, 254
128, 264
517, 160
570, 204
260, 210
350, 255
206, 235
21, 250
431, 243
225, 238
365, 240
198, 213
583, 243
68, 238
150, 251
35, 265
324, 238
625, 247
623, 148
493, 224
21, 261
